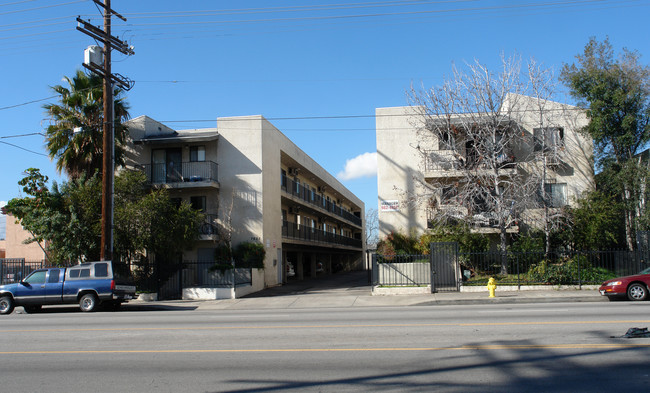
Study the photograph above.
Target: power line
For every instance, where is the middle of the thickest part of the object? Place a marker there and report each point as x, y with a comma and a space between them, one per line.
22, 148
21, 135
40, 8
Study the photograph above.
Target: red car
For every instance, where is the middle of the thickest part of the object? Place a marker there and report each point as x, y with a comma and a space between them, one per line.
634, 287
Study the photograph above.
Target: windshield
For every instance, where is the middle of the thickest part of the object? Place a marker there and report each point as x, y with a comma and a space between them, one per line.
645, 271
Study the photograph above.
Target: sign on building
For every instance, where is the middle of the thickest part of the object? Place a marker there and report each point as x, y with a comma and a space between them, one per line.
389, 206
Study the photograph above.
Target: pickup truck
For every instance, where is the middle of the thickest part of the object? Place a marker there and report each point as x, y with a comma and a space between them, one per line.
89, 284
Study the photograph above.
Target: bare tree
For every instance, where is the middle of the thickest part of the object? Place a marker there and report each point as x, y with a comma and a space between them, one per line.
372, 228
486, 177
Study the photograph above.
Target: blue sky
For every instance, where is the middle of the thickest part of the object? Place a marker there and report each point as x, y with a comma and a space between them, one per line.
316, 69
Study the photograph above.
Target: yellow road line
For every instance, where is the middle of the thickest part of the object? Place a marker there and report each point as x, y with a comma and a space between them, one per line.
186, 328
280, 350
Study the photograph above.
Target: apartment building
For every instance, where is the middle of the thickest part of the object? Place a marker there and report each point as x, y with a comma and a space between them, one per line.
251, 180
411, 162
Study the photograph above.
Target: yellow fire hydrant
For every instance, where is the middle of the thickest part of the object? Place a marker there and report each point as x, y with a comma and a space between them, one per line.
491, 286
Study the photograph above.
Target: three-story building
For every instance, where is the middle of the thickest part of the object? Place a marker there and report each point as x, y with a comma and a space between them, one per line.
254, 185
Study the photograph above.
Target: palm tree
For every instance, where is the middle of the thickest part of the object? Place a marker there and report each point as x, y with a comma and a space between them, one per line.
81, 106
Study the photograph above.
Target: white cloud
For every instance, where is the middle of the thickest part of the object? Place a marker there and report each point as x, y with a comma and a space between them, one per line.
364, 165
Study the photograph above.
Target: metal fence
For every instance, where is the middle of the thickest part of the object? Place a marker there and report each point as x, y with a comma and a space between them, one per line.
510, 268
167, 280
557, 268
15, 269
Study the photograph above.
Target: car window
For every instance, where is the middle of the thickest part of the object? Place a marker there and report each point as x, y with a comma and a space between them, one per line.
54, 276
85, 273
645, 271
74, 273
101, 270
38, 277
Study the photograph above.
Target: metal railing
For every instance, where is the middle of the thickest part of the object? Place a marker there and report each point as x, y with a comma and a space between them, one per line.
302, 232
311, 197
513, 268
15, 269
447, 160
195, 171
401, 270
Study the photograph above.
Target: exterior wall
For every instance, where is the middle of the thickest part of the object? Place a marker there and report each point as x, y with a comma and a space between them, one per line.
400, 163
399, 168
14, 246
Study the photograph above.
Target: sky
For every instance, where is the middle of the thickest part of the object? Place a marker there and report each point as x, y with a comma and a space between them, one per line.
316, 69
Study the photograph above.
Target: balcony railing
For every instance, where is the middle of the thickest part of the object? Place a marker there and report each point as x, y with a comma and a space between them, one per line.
209, 226
450, 160
311, 197
200, 171
301, 232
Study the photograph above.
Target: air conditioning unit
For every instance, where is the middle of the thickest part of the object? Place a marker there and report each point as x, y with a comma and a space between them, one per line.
321, 220
293, 171
321, 188
294, 209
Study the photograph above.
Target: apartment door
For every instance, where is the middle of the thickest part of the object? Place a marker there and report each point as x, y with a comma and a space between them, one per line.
166, 165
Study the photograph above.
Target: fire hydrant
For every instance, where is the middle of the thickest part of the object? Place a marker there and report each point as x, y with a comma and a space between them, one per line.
491, 286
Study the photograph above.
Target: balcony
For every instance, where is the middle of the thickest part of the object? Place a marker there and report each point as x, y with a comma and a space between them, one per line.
208, 230
310, 197
291, 230
450, 163
188, 175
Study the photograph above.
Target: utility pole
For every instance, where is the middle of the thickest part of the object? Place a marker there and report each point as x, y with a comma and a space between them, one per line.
94, 63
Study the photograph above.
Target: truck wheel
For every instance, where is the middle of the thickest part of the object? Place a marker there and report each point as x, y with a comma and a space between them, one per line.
32, 309
6, 305
88, 302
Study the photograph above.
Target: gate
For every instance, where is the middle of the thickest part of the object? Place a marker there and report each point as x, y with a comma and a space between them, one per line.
445, 269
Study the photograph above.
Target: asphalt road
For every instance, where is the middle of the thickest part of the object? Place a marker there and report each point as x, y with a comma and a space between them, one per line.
559, 347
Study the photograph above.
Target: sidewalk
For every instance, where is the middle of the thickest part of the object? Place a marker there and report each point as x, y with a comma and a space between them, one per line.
353, 290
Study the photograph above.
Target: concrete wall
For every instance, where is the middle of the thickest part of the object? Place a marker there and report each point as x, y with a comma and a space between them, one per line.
399, 170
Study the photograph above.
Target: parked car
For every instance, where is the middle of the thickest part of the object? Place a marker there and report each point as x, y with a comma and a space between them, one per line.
634, 287
88, 284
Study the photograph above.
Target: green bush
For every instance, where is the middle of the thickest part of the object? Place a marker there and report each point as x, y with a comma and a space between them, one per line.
567, 271
249, 255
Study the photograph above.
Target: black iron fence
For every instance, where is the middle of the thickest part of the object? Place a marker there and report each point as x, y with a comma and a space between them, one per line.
167, 280
510, 268
15, 269
556, 268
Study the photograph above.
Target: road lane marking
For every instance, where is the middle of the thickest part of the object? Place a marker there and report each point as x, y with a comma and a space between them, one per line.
280, 350
399, 325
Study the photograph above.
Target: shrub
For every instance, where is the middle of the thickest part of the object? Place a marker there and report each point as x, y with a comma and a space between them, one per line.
249, 255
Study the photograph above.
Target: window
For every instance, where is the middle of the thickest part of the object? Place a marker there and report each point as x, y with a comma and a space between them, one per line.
176, 202
74, 273
556, 194
449, 194
548, 137
198, 203
197, 153
54, 276
38, 277
297, 181
446, 141
85, 273
101, 270
283, 179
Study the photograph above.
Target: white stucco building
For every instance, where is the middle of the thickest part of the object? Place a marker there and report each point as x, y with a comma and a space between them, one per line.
247, 175
406, 159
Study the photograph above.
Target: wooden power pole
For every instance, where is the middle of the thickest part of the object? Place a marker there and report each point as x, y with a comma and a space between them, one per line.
102, 67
